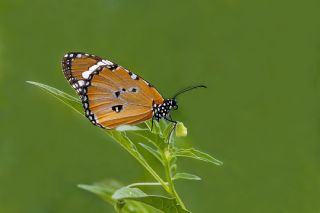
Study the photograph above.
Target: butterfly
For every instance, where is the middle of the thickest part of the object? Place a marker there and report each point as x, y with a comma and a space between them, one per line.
113, 96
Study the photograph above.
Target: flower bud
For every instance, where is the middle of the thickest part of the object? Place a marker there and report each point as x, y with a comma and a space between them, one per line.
181, 130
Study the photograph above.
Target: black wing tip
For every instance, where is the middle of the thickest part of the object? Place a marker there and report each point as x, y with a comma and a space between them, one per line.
72, 55
66, 63
68, 57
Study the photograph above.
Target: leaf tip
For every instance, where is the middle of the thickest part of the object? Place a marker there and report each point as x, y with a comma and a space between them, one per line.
30, 82
82, 186
219, 163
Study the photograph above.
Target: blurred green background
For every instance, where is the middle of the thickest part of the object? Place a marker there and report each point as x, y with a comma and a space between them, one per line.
259, 115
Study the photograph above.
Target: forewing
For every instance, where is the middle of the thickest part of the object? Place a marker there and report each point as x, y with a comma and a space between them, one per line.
111, 95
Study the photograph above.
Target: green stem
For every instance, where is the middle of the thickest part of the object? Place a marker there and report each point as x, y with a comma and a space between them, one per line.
145, 184
154, 174
172, 189
143, 163
165, 155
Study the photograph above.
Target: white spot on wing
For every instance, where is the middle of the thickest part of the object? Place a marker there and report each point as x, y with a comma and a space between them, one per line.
94, 67
134, 76
106, 62
100, 63
87, 73
81, 83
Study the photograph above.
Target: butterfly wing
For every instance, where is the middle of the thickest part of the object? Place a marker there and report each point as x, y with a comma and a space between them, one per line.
111, 95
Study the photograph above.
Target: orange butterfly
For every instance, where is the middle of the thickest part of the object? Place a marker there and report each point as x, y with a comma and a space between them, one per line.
112, 95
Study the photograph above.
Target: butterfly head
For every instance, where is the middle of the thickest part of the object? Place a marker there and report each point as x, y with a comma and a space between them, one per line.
173, 104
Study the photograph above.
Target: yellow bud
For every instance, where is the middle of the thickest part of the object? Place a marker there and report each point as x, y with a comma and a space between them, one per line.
167, 154
181, 130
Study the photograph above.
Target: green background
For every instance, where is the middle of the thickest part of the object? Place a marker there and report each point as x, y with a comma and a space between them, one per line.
259, 115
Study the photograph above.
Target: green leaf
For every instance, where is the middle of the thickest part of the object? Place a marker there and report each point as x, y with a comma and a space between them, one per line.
196, 154
173, 166
67, 99
162, 203
124, 128
128, 145
155, 127
126, 192
167, 131
186, 176
154, 152
152, 138
148, 124
105, 191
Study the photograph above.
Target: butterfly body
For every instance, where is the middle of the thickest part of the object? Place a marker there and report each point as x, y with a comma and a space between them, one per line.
163, 110
112, 95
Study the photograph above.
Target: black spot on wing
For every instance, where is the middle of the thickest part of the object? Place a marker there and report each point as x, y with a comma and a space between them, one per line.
117, 108
117, 94
112, 67
133, 89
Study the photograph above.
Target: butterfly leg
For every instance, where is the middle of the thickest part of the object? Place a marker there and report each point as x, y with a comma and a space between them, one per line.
152, 123
173, 128
170, 120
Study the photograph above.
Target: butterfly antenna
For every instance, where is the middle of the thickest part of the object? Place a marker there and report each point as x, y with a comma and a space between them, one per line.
188, 89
